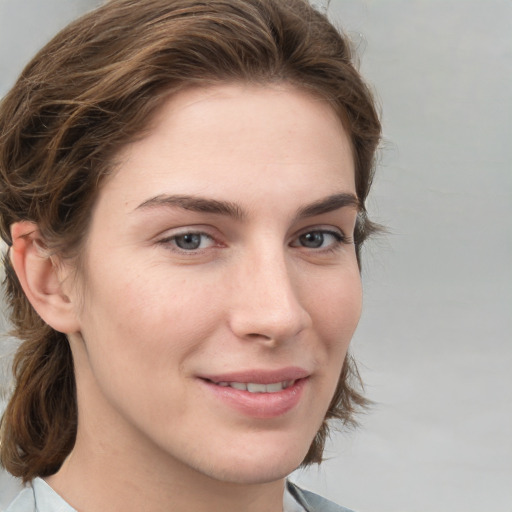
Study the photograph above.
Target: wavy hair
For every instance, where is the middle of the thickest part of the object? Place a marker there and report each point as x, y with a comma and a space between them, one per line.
92, 90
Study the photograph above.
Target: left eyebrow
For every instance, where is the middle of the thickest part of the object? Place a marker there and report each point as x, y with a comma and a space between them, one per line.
329, 204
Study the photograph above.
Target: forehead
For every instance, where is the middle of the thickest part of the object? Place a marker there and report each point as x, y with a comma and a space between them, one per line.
276, 140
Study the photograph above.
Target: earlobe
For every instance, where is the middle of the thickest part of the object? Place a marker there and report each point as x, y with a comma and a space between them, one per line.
42, 278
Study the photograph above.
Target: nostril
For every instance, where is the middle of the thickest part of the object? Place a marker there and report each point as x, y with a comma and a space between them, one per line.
264, 339
257, 335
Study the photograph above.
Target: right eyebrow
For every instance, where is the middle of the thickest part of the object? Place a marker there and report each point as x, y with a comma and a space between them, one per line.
329, 204
195, 204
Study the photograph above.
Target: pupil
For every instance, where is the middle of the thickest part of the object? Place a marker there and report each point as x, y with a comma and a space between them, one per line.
189, 241
313, 240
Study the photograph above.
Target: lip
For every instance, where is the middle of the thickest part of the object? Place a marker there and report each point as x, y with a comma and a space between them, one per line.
263, 376
258, 405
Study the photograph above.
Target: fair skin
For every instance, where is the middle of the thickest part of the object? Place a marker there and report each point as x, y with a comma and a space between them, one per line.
219, 256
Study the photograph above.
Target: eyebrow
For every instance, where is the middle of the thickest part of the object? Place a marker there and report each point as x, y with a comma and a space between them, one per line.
329, 204
195, 204
205, 205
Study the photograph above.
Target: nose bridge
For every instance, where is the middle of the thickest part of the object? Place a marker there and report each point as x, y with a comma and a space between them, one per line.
268, 305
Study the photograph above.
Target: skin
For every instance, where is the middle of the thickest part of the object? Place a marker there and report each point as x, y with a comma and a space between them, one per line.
148, 319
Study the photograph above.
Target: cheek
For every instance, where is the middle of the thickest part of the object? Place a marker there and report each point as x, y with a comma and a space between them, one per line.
337, 307
338, 313
149, 320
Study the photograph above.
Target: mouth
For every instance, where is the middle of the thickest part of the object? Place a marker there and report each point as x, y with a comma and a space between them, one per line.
259, 393
255, 387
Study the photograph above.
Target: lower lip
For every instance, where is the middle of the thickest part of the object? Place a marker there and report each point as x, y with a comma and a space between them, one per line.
259, 405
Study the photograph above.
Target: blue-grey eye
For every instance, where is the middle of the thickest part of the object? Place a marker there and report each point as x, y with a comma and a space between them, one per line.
319, 239
313, 239
189, 241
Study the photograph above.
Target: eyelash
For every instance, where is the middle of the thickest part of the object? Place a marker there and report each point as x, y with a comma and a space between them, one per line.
172, 240
339, 240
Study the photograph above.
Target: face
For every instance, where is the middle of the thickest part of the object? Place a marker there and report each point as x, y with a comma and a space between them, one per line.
221, 287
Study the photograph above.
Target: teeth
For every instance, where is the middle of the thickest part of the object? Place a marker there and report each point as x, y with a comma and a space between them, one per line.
253, 387
238, 385
273, 388
256, 388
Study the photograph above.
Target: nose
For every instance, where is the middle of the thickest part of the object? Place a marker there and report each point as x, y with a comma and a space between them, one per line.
266, 303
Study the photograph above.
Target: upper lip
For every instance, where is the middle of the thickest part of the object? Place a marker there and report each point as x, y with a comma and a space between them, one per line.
260, 376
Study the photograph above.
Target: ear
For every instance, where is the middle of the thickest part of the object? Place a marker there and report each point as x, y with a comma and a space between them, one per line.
42, 278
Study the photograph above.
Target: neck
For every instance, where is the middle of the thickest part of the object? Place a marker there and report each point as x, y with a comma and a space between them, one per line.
112, 469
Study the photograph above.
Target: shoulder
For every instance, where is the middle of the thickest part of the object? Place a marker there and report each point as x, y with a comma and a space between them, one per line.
38, 496
10, 486
24, 502
313, 502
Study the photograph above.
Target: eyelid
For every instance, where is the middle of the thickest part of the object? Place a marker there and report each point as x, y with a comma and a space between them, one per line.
196, 229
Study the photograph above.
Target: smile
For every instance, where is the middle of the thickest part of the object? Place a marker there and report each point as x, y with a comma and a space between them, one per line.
258, 393
253, 387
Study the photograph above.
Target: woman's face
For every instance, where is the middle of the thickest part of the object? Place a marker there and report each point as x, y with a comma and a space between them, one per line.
220, 288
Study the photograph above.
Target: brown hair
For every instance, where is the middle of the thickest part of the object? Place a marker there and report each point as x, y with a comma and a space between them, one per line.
90, 91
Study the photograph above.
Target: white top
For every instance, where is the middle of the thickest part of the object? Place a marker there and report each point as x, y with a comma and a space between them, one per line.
40, 497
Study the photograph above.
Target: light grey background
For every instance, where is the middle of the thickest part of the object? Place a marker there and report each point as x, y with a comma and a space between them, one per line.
435, 337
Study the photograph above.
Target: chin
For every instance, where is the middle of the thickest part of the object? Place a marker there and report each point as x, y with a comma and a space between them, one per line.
257, 466
251, 473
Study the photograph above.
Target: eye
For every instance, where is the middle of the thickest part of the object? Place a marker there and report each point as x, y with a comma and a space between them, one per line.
319, 239
189, 241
